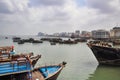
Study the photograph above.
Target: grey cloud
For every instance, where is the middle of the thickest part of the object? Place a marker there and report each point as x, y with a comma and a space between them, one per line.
12, 6
103, 6
46, 2
5, 7
56, 16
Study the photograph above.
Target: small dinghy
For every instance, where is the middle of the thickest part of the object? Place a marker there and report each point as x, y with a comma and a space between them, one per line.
50, 72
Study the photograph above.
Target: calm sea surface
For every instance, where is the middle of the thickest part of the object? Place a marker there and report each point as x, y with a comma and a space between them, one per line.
81, 63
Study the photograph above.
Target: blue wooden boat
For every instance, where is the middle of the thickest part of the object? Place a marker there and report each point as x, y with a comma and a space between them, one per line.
50, 72
14, 67
20, 65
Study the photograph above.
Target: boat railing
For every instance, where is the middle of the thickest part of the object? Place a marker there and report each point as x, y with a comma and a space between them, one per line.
14, 66
99, 43
4, 56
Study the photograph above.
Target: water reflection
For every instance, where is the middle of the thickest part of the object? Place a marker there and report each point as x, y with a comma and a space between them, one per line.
105, 73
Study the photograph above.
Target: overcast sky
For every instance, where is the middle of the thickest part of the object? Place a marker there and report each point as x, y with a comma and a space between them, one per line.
28, 17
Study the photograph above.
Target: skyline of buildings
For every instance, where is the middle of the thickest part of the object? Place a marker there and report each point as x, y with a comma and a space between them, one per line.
96, 34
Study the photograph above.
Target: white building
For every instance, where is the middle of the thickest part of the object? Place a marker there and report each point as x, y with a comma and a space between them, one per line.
100, 34
85, 34
115, 32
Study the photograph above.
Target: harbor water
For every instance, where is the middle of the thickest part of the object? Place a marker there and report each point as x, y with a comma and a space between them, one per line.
81, 63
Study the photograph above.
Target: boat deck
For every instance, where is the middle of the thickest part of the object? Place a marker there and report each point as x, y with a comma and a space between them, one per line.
36, 75
47, 71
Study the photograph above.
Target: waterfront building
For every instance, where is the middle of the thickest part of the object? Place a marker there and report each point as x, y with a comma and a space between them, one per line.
41, 34
86, 34
70, 34
76, 34
63, 34
56, 34
100, 34
115, 32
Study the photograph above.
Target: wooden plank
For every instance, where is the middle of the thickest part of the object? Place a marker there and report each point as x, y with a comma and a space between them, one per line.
14, 73
36, 75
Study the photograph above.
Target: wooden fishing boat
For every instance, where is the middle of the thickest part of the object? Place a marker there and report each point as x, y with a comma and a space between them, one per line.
52, 43
50, 72
15, 57
37, 41
69, 41
14, 65
105, 53
33, 59
16, 39
6, 56
21, 42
